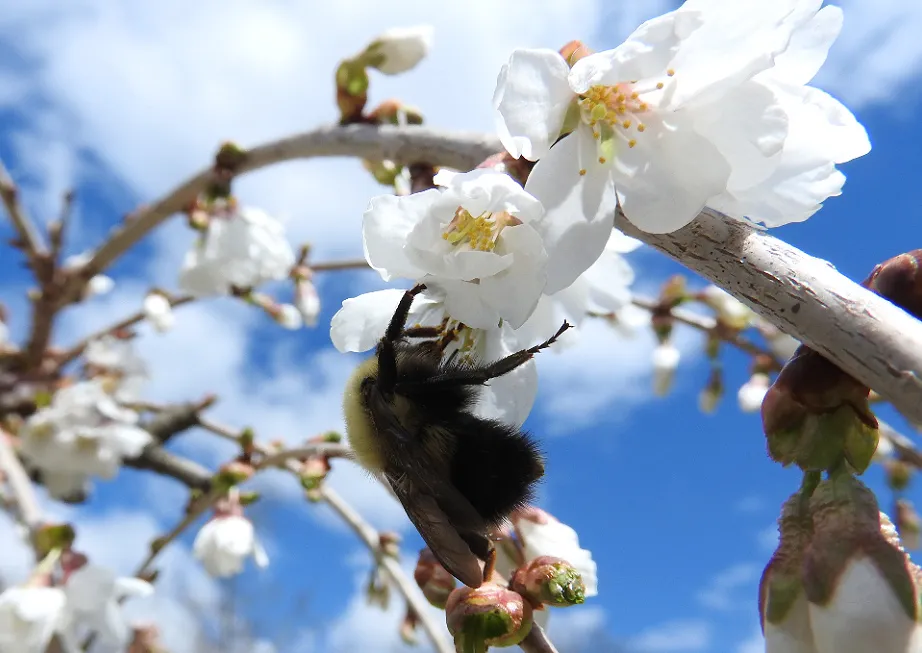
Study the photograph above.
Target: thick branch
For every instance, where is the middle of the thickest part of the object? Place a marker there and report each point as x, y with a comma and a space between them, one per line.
157, 459
399, 144
864, 334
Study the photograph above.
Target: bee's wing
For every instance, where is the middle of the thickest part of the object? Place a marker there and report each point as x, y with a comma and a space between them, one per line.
436, 528
437, 509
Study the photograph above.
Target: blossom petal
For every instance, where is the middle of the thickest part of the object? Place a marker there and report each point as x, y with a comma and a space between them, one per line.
735, 42
515, 291
385, 226
579, 209
483, 189
609, 279
749, 128
510, 397
646, 53
808, 48
657, 189
531, 101
464, 302
362, 320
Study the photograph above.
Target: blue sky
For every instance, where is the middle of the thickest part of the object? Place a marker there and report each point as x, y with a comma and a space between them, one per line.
123, 101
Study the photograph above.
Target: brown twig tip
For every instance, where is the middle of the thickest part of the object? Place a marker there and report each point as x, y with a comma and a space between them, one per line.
899, 279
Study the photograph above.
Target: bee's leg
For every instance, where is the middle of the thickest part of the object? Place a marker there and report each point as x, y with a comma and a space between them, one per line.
387, 354
395, 328
505, 365
422, 332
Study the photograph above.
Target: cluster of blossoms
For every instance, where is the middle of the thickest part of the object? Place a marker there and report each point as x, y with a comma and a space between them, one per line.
707, 105
69, 602
85, 430
241, 248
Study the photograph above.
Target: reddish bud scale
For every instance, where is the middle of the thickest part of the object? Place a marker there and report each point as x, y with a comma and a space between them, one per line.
433, 579
547, 580
489, 615
574, 51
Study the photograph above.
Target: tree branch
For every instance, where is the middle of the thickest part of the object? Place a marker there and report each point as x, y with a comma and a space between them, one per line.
25, 227
20, 486
372, 540
402, 145
864, 334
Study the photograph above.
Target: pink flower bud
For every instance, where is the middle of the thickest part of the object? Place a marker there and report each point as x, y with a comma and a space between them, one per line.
489, 615
432, 578
551, 581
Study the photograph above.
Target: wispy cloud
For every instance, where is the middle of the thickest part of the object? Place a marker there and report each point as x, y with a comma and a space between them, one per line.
673, 636
722, 593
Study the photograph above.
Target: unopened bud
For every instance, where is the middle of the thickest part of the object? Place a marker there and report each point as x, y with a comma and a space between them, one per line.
314, 471
351, 90
486, 616
389, 544
232, 474
814, 415
711, 393
550, 581
674, 291
665, 361
408, 627
899, 474
433, 579
574, 51
731, 312
907, 523
395, 112
398, 50
54, 536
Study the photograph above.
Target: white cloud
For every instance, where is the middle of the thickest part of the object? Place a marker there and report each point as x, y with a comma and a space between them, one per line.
602, 369
878, 54
754, 644
768, 538
685, 635
575, 628
722, 591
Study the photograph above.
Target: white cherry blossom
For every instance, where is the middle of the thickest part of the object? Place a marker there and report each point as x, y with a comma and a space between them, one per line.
225, 542
543, 535
82, 433
307, 301
99, 284
94, 596
683, 87
125, 372
399, 49
752, 393
475, 240
665, 362
244, 249
29, 618
289, 316
362, 320
159, 311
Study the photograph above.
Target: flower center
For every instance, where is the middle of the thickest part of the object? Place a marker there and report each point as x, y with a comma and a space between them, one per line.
616, 113
480, 232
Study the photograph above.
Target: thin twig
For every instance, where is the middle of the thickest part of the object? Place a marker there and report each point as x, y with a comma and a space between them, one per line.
410, 592
537, 641
196, 510
338, 265
326, 449
77, 349
25, 227
709, 325
23, 494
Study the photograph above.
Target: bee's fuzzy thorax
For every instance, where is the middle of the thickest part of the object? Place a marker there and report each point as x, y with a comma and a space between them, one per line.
359, 425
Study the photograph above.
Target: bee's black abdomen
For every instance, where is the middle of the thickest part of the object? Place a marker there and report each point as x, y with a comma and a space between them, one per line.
495, 466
